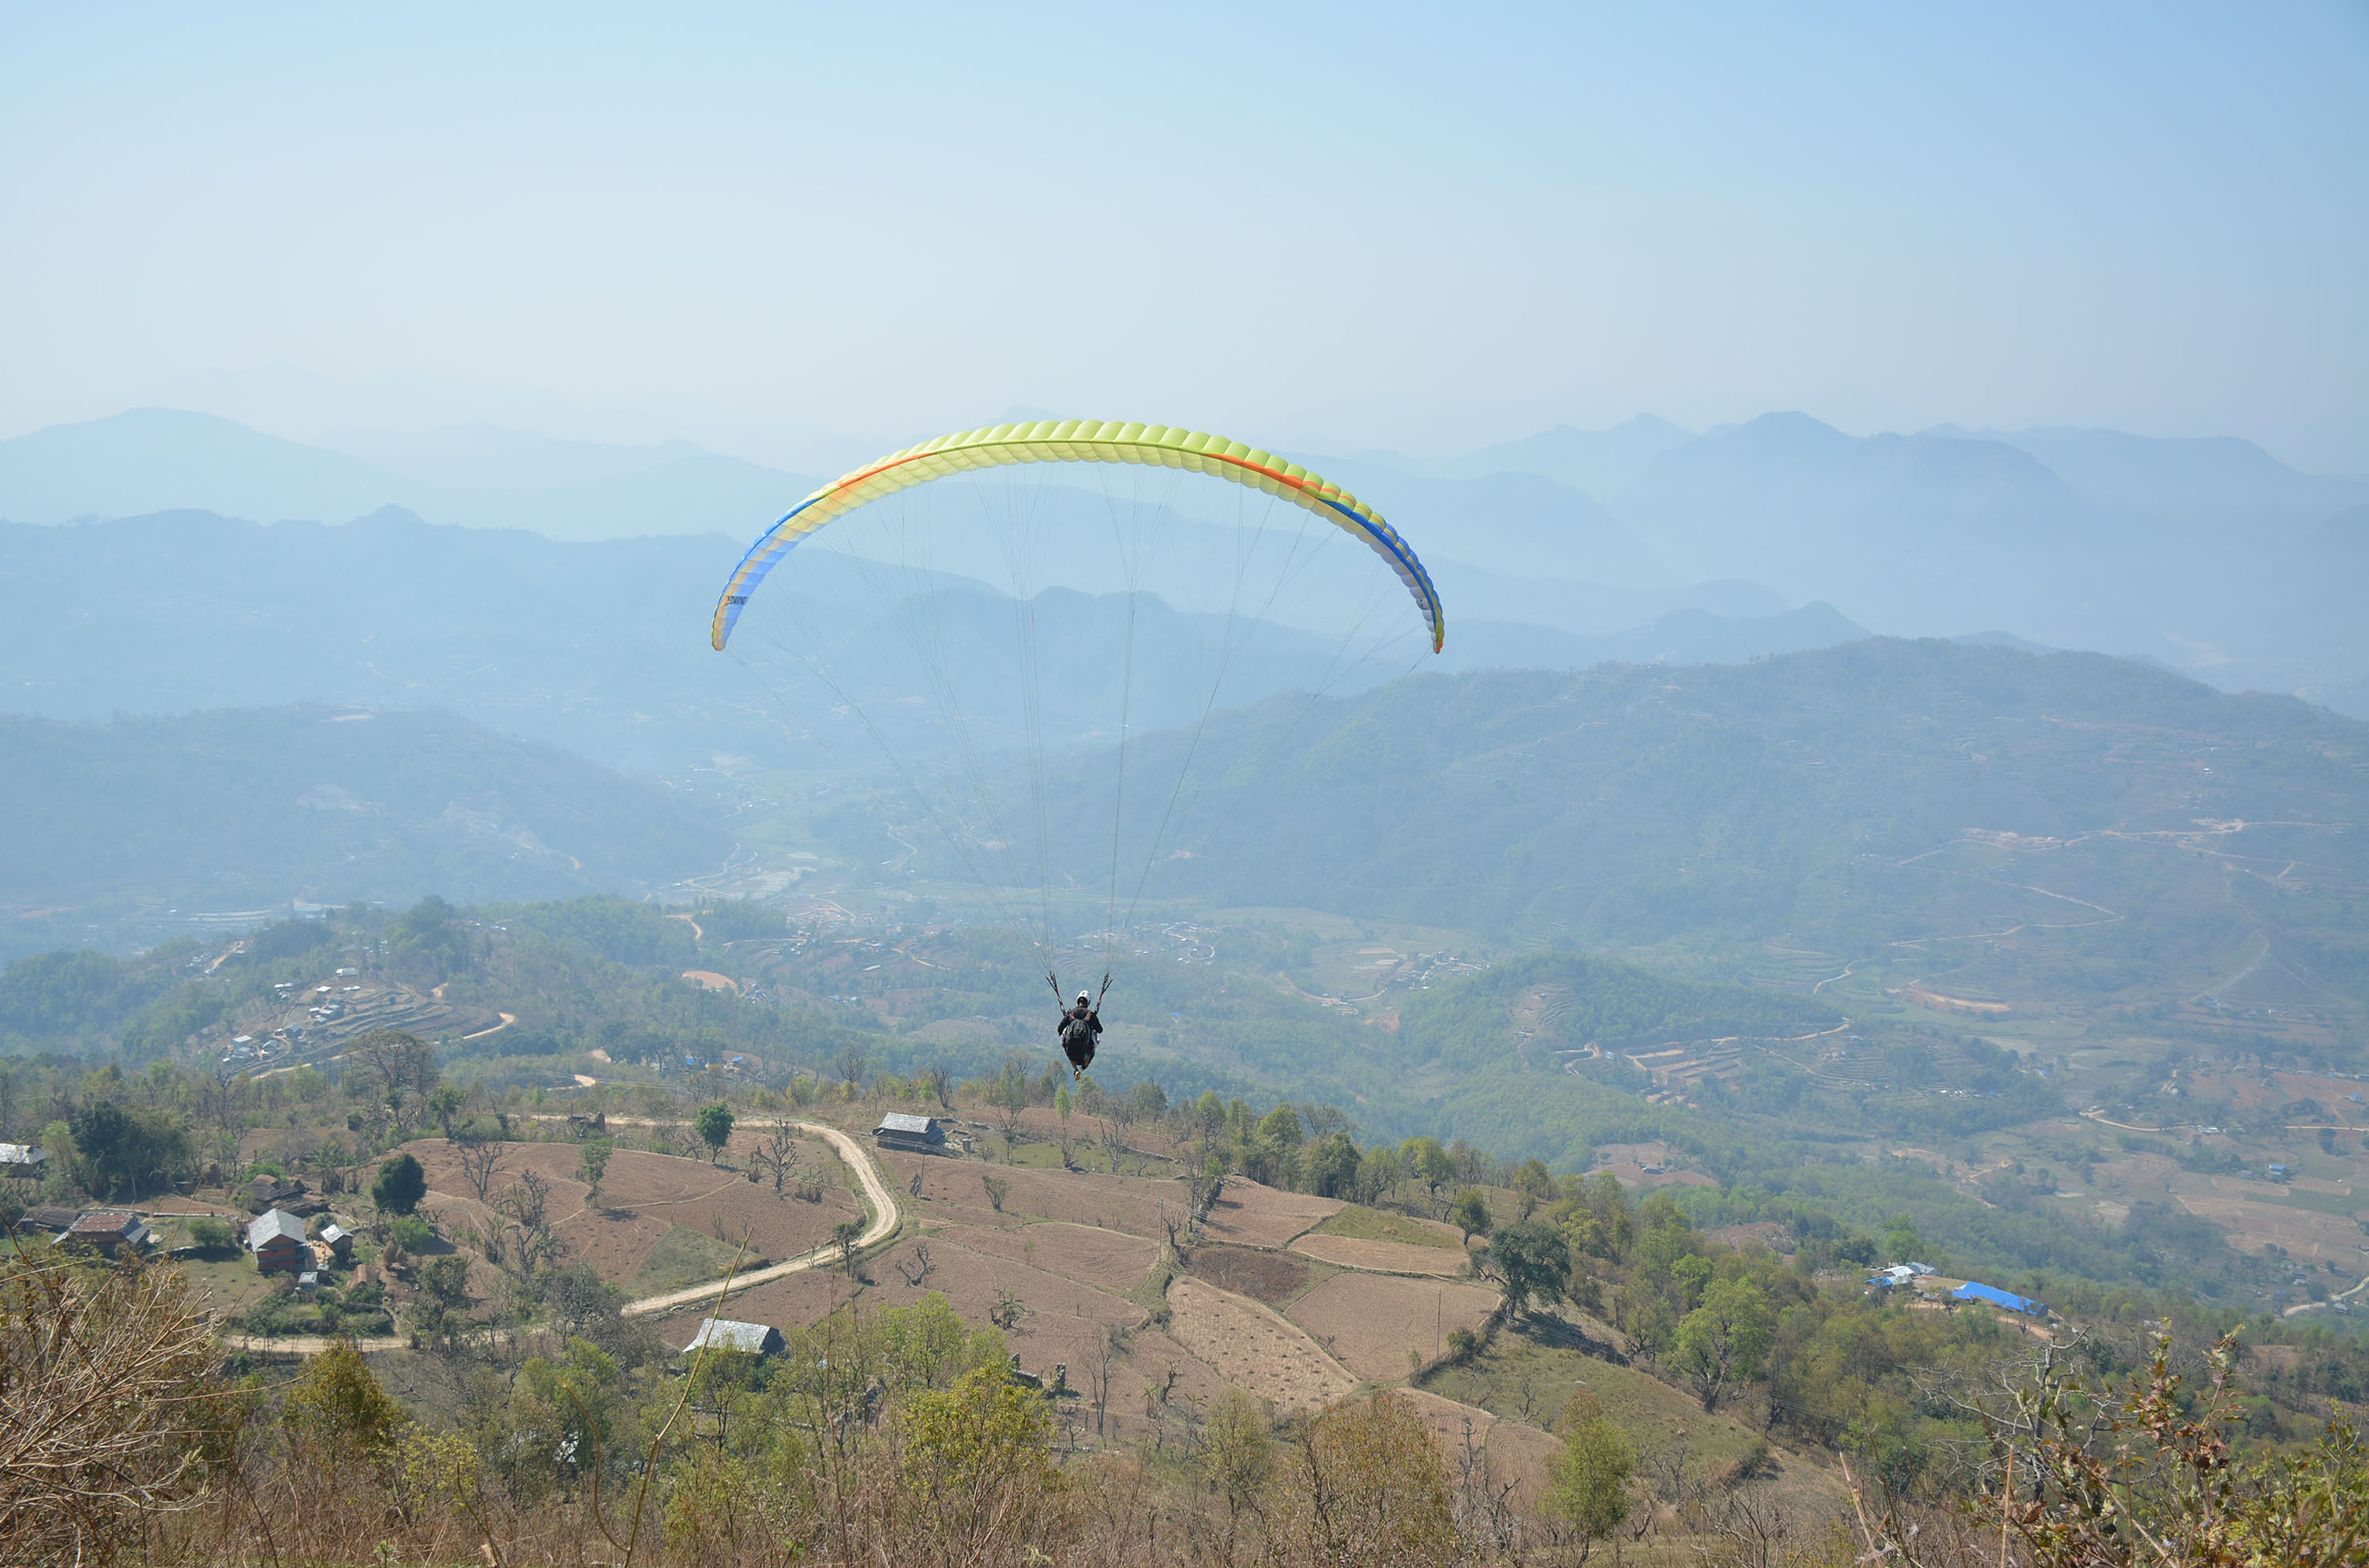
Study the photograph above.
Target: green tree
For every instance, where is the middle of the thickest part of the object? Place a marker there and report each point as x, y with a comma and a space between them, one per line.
713, 1125
1282, 1128
125, 1149
445, 1102
400, 1186
1721, 1342
444, 1292
978, 1458
1587, 1479
1428, 1160
1532, 1260
1369, 1489
1331, 1166
592, 1164
427, 943
1901, 1241
1237, 1449
1535, 1183
340, 1404
1471, 1213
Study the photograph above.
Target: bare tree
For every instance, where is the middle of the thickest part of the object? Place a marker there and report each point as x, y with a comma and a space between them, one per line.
109, 1383
849, 1064
479, 1161
940, 1084
778, 1153
917, 1268
1105, 1354
527, 1201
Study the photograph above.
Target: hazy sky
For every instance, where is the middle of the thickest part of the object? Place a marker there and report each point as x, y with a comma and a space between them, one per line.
1327, 227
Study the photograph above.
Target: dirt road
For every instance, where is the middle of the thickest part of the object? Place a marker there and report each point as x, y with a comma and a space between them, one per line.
877, 1193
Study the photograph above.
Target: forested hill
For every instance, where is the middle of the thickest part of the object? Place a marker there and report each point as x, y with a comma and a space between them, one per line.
249, 809
2142, 828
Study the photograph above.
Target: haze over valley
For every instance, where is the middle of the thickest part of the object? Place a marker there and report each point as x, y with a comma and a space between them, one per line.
1665, 861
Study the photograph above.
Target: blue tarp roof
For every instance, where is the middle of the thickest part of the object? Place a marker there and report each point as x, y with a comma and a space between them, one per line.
1970, 1291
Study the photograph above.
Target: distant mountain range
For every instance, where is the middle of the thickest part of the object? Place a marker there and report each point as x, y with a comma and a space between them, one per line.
153, 460
137, 830
2208, 555
602, 648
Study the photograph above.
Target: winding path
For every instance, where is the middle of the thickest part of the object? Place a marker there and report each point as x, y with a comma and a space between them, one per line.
885, 1217
877, 1193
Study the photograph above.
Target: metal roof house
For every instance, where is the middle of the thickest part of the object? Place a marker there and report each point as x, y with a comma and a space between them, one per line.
1970, 1291
24, 1160
900, 1130
107, 1230
277, 1240
755, 1339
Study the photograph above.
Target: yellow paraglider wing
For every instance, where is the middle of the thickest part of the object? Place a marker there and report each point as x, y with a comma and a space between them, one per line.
1076, 440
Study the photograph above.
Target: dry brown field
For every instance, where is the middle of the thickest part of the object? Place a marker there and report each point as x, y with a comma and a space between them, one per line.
1107, 1260
1382, 1257
1371, 1325
1255, 1348
952, 1192
643, 1196
1250, 1215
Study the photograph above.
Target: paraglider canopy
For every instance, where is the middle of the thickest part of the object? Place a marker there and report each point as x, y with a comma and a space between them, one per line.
1076, 440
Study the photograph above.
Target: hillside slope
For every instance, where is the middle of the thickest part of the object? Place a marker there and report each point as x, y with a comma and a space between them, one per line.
245, 810
2038, 825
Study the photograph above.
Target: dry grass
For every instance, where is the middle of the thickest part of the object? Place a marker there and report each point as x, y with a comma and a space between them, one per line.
1250, 1215
1255, 1349
643, 1197
1371, 1325
1382, 1257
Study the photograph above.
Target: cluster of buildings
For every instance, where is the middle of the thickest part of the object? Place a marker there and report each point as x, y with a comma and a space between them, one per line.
278, 1241
1907, 1274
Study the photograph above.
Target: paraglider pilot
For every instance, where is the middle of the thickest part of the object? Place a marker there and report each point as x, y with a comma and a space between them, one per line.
1081, 1027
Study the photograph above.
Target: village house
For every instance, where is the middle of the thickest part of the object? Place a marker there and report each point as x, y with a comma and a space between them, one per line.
24, 1161
271, 1192
109, 1230
919, 1134
339, 1240
755, 1339
277, 1240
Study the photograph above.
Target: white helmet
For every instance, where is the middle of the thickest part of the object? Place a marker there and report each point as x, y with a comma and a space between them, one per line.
1084, 997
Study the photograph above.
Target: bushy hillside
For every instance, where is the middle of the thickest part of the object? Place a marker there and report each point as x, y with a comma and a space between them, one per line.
2059, 824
